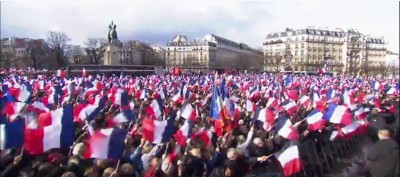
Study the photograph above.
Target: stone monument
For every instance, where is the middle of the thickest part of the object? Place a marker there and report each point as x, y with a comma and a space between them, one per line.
111, 55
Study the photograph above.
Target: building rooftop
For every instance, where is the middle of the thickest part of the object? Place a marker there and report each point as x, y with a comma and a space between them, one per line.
375, 41
309, 31
19, 43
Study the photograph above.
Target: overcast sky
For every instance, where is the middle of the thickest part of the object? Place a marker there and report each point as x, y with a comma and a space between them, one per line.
157, 22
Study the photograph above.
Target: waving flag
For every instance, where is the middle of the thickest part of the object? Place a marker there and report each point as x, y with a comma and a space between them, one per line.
289, 159
122, 117
157, 131
267, 117
13, 108
250, 107
227, 107
60, 134
57, 116
289, 106
216, 105
188, 112
338, 114
305, 101
315, 120
21, 94
184, 133
61, 73
107, 143
155, 109
12, 134
285, 129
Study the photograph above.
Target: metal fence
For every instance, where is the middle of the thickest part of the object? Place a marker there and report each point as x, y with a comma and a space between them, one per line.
320, 157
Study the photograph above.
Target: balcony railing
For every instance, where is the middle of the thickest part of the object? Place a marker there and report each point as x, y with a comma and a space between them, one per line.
273, 42
324, 41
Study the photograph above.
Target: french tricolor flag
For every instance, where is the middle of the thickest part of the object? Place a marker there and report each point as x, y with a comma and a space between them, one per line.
204, 135
107, 143
392, 91
60, 134
184, 133
267, 117
20, 94
12, 134
330, 94
338, 114
285, 128
188, 112
143, 94
250, 107
155, 109
362, 113
349, 101
272, 102
216, 111
315, 120
122, 117
116, 96
61, 73
227, 108
91, 111
289, 106
305, 101
289, 159
353, 129
157, 131
56, 116
13, 108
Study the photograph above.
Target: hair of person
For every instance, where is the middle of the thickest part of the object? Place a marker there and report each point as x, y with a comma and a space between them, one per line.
44, 169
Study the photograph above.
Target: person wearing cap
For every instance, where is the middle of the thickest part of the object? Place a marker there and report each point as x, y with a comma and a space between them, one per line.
383, 159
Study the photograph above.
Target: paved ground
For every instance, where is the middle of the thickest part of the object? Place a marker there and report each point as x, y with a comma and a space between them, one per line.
354, 164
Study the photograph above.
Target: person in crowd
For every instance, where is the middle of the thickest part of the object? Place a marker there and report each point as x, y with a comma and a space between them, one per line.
241, 143
383, 159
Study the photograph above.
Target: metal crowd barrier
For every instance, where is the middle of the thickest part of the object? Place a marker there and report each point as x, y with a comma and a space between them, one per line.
320, 156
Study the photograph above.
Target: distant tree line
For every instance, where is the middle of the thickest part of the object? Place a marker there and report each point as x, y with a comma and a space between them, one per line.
56, 51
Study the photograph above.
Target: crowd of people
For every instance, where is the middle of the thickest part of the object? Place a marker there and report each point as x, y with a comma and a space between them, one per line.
206, 125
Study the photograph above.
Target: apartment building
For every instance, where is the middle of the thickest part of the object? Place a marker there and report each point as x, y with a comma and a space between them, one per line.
310, 48
211, 51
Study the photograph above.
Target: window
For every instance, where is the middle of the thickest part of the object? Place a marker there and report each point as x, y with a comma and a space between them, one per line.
302, 52
296, 46
302, 45
295, 53
297, 39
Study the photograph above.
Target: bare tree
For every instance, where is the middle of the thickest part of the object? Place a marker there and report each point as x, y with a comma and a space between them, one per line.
354, 62
58, 43
7, 58
95, 48
364, 68
278, 62
35, 53
76, 53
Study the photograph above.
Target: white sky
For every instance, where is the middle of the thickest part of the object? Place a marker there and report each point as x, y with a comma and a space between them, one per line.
157, 22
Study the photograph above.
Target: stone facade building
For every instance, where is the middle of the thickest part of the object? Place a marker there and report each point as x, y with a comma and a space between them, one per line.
309, 49
211, 51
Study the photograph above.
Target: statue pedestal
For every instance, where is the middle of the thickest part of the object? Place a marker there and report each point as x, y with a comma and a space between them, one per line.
111, 55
